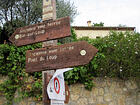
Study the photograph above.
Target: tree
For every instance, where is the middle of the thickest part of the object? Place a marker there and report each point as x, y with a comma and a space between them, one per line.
66, 8
19, 13
101, 24
121, 25
0, 34
30, 11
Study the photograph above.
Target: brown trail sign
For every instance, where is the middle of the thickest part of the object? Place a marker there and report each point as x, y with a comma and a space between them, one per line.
62, 56
41, 32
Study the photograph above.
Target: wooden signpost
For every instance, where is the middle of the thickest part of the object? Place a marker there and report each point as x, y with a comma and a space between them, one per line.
51, 57
61, 56
49, 14
41, 32
46, 78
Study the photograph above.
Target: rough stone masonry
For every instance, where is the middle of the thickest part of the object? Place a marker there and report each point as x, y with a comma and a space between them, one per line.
107, 91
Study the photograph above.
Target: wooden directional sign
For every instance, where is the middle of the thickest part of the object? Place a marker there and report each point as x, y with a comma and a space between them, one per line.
62, 56
41, 32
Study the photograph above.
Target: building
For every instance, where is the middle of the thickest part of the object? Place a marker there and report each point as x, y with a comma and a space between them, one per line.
95, 32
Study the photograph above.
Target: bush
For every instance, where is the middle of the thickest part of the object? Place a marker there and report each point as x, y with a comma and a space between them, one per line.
118, 56
12, 64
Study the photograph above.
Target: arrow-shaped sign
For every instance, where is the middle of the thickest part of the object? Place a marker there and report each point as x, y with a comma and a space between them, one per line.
41, 32
62, 56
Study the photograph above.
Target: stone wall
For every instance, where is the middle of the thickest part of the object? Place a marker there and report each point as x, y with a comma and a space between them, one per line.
106, 92
2, 98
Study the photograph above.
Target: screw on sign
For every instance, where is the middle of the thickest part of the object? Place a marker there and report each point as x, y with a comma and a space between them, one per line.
62, 56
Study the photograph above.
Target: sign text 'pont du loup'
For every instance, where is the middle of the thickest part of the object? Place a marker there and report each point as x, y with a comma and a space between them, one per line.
62, 56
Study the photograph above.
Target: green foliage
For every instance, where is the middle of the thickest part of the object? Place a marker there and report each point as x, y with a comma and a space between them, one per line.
30, 11
121, 25
118, 56
8, 88
19, 13
12, 61
82, 74
101, 24
0, 30
9, 29
66, 8
0, 34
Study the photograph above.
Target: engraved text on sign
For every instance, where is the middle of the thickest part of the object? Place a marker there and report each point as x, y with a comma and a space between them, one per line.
42, 32
57, 57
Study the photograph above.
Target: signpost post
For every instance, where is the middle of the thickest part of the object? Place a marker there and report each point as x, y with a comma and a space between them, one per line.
46, 78
49, 14
49, 10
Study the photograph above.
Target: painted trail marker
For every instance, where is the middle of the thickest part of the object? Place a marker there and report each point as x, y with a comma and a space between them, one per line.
41, 32
62, 56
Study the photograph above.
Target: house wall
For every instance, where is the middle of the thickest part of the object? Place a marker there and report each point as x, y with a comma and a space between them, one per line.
94, 33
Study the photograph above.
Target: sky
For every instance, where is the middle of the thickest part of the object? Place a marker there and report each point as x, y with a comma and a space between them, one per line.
110, 12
